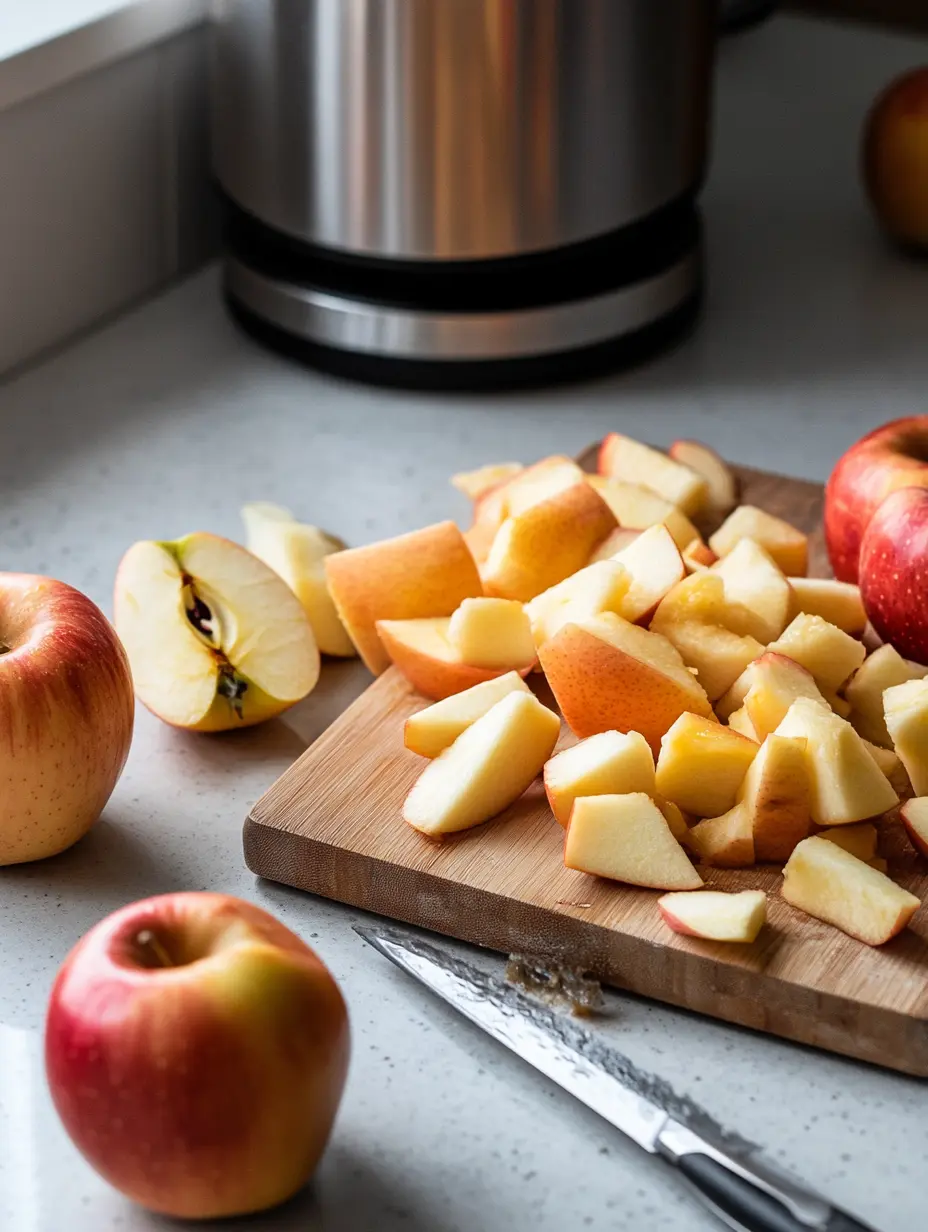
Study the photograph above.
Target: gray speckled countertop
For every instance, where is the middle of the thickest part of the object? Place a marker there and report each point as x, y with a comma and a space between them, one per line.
167, 420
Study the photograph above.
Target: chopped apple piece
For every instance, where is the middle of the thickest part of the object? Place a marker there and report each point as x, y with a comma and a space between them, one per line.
609, 764
622, 537
486, 769
914, 814
838, 704
430, 731
754, 582
773, 682
829, 883
297, 553
723, 488
597, 588
847, 784
674, 816
698, 555
527, 487
639, 508
717, 655
740, 722
608, 674
422, 651
883, 670
492, 633
776, 796
702, 764
822, 649
427, 573
891, 765
714, 915
701, 597
621, 457
837, 602
906, 710
654, 565
726, 841
627, 838
859, 840
787, 546
476, 483
542, 545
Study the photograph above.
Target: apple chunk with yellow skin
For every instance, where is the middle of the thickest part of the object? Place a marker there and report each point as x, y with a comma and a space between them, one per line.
422, 651
654, 565
608, 764
486, 769
638, 508
598, 588
726, 841
882, 670
493, 633
297, 552
914, 814
702, 764
830, 655
787, 546
216, 640
906, 710
847, 784
776, 796
837, 602
610, 675
859, 840
430, 731
621, 457
714, 915
829, 883
474, 483
427, 573
627, 838
717, 655
756, 585
723, 488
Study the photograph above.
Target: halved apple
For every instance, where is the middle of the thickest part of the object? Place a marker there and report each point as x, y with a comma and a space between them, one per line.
859, 840
654, 565
787, 546
716, 655
486, 769
609, 764
494, 633
702, 765
776, 796
639, 508
475, 483
822, 649
726, 841
598, 588
627, 838
423, 574
608, 674
754, 582
906, 710
829, 883
430, 731
216, 640
423, 652
847, 784
883, 670
837, 602
714, 915
621, 457
723, 488
297, 552
914, 814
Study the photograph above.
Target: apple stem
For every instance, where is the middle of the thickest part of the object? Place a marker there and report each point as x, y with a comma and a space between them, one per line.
148, 941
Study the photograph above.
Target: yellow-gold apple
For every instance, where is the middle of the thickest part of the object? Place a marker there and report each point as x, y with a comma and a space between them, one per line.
914, 814
654, 565
837, 602
860, 840
787, 546
714, 915
716, 655
776, 795
494, 633
639, 508
829, 654
600, 587
216, 640
627, 838
880, 671
609, 675
486, 769
754, 582
426, 573
846, 783
297, 552
906, 710
422, 651
621, 457
831, 884
474, 484
609, 764
430, 731
726, 841
702, 764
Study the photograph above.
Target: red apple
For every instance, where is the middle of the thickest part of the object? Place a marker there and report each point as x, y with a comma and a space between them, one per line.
895, 159
891, 457
894, 572
66, 714
196, 1051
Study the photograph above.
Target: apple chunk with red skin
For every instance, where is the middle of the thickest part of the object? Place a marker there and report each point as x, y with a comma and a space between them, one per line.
714, 915
894, 572
66, 715
196, 1052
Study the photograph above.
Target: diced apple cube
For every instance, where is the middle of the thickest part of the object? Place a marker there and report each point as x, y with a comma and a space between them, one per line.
674, 816
776, 796
891, 765
716, 655
906, 710
601, 587
697, 556
754, 582
723, 489
702, 764
883, 670
787, 546
615, 542
654, 565
726, 841
608, 764
627, 838
638, 508
914, 815
822, 649
714, 915
837, 602
492, 633
773, 682
621, 457
422, 651
430, 731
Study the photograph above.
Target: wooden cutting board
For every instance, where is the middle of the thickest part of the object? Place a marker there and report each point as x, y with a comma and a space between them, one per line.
332, 825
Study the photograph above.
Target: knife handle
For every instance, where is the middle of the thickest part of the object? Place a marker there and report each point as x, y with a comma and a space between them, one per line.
749, 1194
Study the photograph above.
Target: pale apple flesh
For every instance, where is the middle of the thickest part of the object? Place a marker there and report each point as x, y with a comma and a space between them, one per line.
914, 815
600, 587
824, 650
638, 508
655, 566
787, 546
880, 671
430, 731
493, 633
611, 763
626, 838
776, 794
714, 915
422, 651
702, 765
837, 602
474, 483
906, 711
726, 841
621, 457
756, 585
717, 655
723, 487
860, 840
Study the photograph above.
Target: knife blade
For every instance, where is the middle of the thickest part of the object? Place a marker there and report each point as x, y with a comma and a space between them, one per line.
746, 1192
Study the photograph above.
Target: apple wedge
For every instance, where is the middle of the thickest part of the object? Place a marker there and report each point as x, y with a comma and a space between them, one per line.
702, 765
914, 814
216, 639
627, 838
722, 485
426, 573
829, 654
859, 840
654, 565
598, 588
787, 546
829, 883
755, 584
883, 670
430, 731
422, 651
639, 508
621, 457
475, 483
486, 769
494, 633
906, 710
297, 553
610, 675
726, 841
714, 915
766, 689
837, 602
716, 655
609, 764
847, 785
775, 794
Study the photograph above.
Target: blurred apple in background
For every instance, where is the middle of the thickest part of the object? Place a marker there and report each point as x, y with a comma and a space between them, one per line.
894, 572
66, 714
895, 159
891, 457
196, 1051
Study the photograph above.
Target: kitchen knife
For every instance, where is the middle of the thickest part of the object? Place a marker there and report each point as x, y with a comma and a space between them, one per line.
746, 1192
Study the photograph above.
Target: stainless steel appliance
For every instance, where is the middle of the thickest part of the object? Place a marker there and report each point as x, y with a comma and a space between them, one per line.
462, 191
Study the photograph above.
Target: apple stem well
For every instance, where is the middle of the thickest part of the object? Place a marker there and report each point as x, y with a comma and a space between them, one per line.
151, 951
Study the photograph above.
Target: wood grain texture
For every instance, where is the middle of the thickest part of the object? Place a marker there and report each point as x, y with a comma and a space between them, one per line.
332, 825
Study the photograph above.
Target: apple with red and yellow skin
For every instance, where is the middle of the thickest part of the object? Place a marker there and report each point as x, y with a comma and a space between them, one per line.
891, 457
894, 572
66, 715
196, 1052
895, 159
